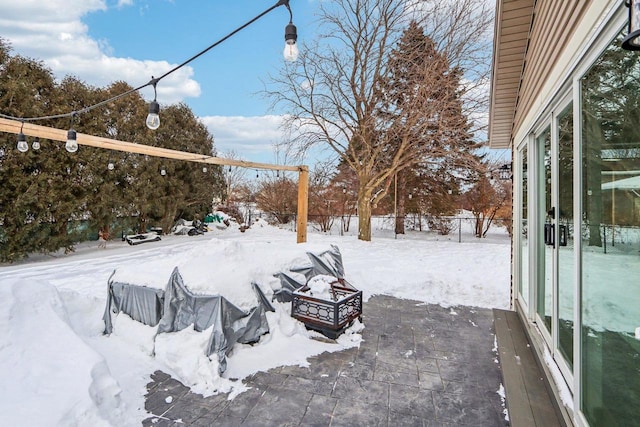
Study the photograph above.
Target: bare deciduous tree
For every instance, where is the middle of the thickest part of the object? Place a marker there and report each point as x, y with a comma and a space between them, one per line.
333, 93
278, 196
485, 200
235, 178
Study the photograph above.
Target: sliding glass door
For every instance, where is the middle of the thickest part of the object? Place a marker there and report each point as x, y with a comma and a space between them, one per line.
555, 273
610, 231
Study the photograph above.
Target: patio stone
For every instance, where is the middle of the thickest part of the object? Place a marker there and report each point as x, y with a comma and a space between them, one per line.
418, 365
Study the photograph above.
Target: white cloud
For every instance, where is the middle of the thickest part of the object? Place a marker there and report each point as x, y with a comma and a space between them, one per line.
254, 137
53, 32
257, 138
475, 99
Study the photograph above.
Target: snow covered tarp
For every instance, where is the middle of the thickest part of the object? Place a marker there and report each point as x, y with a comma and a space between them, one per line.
176, 308
327, 263
192, 228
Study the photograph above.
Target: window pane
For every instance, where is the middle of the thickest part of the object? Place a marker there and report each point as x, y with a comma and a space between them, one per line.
565, 234
523, 285
544, 297
611, 238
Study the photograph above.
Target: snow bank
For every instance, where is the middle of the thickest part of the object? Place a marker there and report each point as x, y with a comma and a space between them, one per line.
58, 369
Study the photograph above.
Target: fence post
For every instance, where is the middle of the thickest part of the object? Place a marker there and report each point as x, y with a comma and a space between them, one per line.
459, 230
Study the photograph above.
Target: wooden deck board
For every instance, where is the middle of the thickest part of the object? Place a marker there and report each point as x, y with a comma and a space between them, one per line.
528, 399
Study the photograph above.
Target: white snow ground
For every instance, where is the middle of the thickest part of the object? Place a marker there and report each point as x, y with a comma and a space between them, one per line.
57, 368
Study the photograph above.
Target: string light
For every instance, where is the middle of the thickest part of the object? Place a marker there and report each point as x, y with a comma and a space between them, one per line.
72, 143
23, 147
290, 46
153, 118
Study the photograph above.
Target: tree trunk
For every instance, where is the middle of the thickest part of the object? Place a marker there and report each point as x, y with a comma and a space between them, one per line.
593, 200
169, 218
142, 223
400, 206
364, 215
479, 225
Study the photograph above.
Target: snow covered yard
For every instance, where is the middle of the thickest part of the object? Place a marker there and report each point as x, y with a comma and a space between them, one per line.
55, 360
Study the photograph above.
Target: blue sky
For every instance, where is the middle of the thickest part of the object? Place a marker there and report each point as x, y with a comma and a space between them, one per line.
229, 74
100, 41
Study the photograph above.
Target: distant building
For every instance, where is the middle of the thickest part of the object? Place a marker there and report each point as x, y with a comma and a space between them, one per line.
565, 97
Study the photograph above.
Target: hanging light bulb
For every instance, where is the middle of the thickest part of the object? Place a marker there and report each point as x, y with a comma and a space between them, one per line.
290, 46
36, 143
72, 143
111, 166
23, 147
163, 171
153, 118
204, 169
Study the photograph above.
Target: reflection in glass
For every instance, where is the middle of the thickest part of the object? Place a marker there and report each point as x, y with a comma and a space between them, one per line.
610, 235
545, 252
564, 240
523, 285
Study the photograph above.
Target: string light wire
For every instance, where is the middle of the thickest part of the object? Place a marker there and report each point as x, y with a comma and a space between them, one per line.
153, 80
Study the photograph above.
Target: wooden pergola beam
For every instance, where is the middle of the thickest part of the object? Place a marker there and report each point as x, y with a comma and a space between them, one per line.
54, 134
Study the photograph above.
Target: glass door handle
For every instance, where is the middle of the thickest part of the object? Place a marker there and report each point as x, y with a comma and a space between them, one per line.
562, 235
549, 235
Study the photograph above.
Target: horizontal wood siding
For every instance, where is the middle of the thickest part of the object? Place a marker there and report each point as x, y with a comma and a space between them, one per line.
554, 22
512, 28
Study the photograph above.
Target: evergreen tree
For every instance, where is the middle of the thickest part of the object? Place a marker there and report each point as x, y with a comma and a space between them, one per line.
185, 190
32, 216
46, 194
426, 132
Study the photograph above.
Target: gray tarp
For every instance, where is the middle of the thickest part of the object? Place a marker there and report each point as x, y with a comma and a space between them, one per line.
176, 308
327, 263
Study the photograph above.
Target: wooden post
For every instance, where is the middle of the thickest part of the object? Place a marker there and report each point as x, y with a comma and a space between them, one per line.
303, 203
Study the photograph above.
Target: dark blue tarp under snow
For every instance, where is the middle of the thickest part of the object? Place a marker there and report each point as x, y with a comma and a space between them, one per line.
176, 308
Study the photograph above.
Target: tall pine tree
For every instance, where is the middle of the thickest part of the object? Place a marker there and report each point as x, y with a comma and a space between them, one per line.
426, 133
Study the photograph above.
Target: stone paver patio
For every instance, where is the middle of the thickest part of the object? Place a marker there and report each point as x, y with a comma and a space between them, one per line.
419, 365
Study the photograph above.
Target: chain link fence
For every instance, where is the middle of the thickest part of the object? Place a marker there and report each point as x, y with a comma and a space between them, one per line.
460, 228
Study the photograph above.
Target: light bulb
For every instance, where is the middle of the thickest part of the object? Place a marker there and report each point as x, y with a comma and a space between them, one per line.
23, 147
290, 51
163, 172
36, 144
153, 119
204, 169
72, 143
290, 47
110, 166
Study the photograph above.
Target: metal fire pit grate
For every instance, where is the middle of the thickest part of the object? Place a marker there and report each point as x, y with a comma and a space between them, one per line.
330, 317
